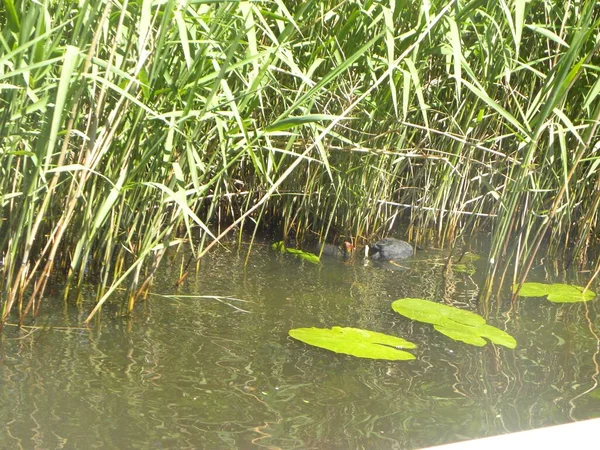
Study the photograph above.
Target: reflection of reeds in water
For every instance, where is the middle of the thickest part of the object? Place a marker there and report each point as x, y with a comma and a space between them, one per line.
124, 129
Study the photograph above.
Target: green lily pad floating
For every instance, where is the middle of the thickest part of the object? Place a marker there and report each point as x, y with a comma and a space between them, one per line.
474, 335
463, 333
435, 313
356, 342
310, 257
557, 292
457, 324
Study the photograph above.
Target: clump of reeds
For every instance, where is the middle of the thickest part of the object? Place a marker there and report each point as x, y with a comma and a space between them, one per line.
127, 128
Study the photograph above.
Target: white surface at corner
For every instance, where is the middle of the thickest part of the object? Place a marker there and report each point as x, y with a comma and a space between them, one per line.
583, 435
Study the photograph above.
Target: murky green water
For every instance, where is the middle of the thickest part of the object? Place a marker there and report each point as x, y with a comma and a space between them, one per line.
201, 373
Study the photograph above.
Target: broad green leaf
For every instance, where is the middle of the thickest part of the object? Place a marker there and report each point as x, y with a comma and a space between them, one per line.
564, 293
455, 323
497, 336
557, 293
434, 313
461, 333
356, 342
310, 257
474, 335
532, 289
304, 255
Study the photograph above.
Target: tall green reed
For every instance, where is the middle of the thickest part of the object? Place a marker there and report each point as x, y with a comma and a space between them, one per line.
131, 127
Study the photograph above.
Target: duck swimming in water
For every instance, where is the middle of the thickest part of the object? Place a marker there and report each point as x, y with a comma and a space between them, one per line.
338, 251
390, 249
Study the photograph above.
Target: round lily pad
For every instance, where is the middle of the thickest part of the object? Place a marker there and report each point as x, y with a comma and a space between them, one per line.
457, 324
557, 292
355, 342
434, 313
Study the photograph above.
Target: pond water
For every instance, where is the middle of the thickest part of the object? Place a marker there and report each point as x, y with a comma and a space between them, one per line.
220, 373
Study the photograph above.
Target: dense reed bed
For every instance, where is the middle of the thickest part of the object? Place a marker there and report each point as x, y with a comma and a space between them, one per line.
127, 127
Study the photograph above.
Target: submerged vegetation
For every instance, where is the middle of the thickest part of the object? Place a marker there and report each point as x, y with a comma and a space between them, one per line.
130, 127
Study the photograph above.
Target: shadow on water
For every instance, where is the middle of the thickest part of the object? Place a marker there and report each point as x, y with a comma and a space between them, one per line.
219, 371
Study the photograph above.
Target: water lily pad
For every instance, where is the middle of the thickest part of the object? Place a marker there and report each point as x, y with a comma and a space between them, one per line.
532, 289
497, 336
434, 313
310, 257
457, 324
564, 293
463, 333
557, 292
474, 335
356, 342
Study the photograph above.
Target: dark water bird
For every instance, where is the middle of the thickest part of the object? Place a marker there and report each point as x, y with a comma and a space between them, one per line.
338, 251
390, 249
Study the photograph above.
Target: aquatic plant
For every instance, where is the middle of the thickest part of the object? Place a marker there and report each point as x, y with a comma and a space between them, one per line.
457, 324
557, 292
356, 342
310, 257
